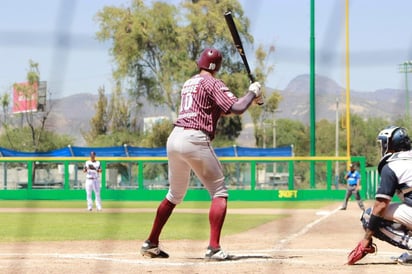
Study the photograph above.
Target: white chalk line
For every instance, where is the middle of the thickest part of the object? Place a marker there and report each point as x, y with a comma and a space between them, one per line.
306, 228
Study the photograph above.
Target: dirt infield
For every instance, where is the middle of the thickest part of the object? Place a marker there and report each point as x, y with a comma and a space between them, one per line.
308, 241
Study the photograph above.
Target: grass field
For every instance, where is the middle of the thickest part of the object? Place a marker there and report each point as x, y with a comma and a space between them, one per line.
38, 225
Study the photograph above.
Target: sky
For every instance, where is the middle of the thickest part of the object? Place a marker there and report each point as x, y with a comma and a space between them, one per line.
59, 35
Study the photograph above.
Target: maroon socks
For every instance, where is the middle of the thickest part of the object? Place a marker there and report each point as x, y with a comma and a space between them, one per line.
217, 216
163, 213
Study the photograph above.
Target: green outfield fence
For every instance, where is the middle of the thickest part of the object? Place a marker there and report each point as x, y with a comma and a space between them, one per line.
145, 178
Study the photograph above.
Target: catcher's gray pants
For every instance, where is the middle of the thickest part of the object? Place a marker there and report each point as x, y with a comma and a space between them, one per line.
395, 227
399, 213
349, 192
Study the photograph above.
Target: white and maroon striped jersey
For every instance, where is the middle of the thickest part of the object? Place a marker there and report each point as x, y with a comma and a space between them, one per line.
203, 101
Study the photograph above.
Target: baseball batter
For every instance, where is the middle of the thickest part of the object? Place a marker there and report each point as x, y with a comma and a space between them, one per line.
92, 169
390, 221
204, 99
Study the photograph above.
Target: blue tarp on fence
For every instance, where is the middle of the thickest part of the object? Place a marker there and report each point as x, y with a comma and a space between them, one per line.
63, 152
129, 151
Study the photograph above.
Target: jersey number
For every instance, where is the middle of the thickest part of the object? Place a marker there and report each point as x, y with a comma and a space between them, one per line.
187, 97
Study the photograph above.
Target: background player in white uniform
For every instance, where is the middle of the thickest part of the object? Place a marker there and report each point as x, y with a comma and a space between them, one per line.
390, 222
92, 169
204, 99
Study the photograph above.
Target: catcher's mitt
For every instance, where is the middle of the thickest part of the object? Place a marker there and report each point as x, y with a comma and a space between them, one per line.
360, 251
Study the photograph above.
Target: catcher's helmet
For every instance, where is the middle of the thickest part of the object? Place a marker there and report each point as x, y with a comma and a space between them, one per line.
393, 139
210, 59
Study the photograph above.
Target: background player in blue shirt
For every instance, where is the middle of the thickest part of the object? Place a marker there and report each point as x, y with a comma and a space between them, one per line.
353, 186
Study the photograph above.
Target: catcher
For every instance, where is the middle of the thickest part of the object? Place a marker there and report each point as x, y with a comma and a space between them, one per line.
390, 222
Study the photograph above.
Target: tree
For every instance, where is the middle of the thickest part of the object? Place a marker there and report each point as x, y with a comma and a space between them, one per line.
325, 136
28, 91
228, 129
291, 132
112, 125
156, 47
28, 131
261, 114
363, 137
146, 48
118, 111
99, 123
20, 139
5, 104
157, 137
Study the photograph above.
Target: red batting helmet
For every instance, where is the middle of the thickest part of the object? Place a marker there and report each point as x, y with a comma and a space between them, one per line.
210, 60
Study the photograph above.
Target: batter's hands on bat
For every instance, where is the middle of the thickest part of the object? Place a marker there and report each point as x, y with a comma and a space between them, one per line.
255, 88
259, 100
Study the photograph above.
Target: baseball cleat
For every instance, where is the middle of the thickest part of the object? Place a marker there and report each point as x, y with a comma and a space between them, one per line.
152, 251
216, 254
405, 259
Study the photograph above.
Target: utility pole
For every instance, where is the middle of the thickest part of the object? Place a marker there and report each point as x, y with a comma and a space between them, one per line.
312, 100
337, 144
274, 137
406, 67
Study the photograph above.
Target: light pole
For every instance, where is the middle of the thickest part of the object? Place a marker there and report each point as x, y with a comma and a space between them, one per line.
406, 67
274, 135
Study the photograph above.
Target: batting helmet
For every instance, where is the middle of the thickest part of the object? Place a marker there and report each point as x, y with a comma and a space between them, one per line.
393, 139
210, 59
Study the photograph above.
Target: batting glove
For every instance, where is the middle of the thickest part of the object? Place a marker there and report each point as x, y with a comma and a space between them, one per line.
255, 88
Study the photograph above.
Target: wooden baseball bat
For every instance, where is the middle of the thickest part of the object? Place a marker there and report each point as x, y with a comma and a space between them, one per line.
239, 46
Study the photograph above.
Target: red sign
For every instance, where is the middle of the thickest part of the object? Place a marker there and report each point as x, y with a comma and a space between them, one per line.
25, 97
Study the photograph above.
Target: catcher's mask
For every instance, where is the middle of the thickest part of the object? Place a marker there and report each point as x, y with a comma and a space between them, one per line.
393, 139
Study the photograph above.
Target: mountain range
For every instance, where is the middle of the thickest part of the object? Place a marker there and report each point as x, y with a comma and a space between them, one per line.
296, 96
72, 114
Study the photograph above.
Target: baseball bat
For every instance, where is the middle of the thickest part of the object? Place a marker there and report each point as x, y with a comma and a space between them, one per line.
239, 46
